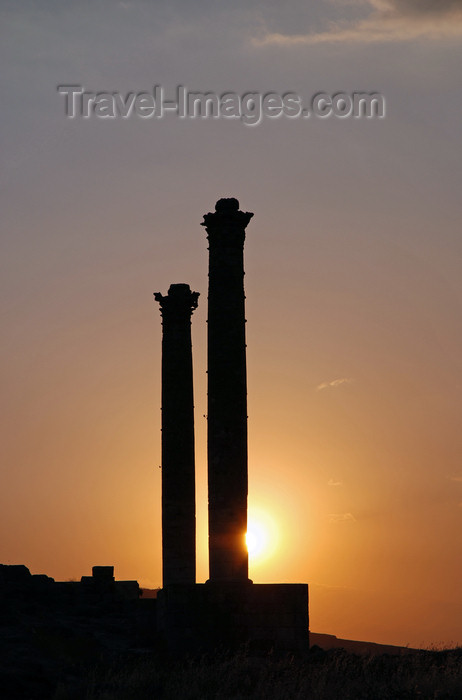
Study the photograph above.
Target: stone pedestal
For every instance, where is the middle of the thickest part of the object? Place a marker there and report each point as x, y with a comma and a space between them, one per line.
213, 616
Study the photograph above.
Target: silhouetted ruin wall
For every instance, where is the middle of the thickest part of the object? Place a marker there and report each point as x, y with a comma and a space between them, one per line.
207, 617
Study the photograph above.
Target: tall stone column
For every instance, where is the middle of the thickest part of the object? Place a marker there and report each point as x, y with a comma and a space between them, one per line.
227, 393
178, 467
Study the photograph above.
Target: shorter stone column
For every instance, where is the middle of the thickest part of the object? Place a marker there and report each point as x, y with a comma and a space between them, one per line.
178, 464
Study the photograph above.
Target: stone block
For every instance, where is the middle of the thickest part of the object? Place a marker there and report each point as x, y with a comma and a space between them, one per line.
205, 617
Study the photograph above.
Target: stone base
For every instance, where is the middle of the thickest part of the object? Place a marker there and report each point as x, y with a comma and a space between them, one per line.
210, 616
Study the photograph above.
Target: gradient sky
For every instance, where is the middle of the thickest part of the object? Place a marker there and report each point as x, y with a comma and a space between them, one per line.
353, 280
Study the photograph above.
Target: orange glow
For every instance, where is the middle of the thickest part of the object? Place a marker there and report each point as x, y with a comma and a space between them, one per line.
262, 537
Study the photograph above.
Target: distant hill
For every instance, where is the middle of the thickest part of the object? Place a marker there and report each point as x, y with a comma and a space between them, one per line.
330, 641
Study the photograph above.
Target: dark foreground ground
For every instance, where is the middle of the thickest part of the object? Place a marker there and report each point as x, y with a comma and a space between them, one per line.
71, 642
56, 664
335, 674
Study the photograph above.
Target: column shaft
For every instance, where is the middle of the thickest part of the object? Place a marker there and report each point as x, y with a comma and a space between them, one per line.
227, 393
178, 464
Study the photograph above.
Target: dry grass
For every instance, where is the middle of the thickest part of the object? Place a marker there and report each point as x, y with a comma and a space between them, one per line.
333, 675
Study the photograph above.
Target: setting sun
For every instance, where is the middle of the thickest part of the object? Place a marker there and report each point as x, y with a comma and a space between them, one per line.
256, 539
261, 536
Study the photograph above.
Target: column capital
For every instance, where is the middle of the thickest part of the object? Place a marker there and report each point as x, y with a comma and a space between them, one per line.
226, 225
179, 301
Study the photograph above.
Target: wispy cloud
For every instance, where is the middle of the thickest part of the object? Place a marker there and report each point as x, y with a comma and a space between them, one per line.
333, 384
456, 477
385, 20
332, 482
341, 518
